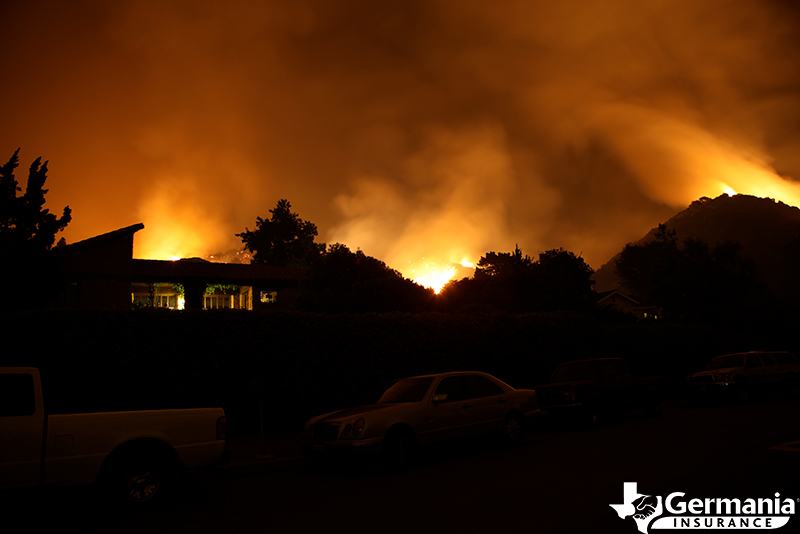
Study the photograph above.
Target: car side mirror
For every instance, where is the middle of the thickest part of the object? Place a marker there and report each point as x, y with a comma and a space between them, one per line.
441, 397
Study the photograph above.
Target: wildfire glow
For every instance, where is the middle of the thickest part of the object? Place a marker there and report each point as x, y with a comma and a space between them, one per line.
436, 279
435, 274
178, 223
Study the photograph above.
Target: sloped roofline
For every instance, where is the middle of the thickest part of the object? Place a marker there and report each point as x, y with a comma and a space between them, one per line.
605, 294
92, 241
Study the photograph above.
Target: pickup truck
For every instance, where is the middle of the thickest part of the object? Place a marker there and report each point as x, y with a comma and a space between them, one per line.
590, 389
131, 455
744, 374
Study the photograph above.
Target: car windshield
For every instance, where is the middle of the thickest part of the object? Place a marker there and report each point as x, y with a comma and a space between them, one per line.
403, 390
577, 371
724, 362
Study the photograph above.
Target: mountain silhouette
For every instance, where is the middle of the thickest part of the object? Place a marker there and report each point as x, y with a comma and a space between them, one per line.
768, 231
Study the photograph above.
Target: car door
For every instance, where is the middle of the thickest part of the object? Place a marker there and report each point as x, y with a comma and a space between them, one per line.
772, 372
21, 428
449, 409
612, 389
489, 404
755, 370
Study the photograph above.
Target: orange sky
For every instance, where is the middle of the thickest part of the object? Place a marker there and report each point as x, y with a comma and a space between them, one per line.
418, 131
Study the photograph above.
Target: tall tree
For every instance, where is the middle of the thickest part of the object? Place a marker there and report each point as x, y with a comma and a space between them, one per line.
563, 281
26, 226
503, 264
285, 240
642, 269
27, 233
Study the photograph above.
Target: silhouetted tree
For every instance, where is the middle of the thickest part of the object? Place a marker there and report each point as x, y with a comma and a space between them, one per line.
691, 280
26, 226
285, 240
27, 233
562, 281
502, 282
644, 268
344, 281
503, 264
513, 282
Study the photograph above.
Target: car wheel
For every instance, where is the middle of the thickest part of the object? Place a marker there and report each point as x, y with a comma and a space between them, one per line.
590, 416
137, 480
743, 393
513, 429
399, 448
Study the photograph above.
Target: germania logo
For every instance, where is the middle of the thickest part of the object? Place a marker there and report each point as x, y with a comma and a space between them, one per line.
703, 514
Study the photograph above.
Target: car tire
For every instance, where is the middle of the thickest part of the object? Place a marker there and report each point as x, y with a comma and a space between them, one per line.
743, 392
513, 429
590, 416
399, 448
137, 480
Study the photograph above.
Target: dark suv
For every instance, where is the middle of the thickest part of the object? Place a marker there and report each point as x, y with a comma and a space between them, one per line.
588, 389
746, 373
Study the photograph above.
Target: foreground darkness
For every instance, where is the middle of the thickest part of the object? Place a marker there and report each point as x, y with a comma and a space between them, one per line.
560, 480
291, 366
298, 365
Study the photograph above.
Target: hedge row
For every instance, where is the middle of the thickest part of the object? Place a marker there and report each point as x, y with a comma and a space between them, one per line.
293, 365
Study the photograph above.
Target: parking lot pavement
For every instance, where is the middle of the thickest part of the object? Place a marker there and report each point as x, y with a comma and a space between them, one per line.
254, 452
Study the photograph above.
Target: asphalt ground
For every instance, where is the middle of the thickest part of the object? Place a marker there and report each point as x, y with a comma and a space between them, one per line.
259, 453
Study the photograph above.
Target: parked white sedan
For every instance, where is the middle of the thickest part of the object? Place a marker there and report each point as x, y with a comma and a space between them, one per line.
421, 410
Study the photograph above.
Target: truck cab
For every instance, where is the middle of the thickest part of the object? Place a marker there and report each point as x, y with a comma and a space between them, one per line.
131, 453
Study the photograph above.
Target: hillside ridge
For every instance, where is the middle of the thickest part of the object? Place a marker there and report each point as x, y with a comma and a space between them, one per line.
768, 230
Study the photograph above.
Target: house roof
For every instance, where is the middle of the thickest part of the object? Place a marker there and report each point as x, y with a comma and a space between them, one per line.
128, 231
196, 268
185, 270
605, 295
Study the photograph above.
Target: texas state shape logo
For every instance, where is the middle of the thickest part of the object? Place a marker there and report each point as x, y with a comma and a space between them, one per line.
643, 508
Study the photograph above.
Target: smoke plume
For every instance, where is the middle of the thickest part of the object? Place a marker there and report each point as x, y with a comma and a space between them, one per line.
422, 132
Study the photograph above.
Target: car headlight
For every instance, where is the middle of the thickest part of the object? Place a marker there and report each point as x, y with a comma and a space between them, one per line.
358, 426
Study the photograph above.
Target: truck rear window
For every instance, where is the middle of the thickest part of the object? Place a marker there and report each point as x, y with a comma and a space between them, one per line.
16, 395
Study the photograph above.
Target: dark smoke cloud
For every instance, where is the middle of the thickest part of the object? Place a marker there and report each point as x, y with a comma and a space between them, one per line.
431, 129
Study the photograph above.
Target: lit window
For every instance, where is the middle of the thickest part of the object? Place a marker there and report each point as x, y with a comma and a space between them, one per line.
216, 302
269, 297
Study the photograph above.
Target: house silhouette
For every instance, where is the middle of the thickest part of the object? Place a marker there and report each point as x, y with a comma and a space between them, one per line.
100, 272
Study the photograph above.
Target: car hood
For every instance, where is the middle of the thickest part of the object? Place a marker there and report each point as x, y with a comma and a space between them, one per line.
349, 413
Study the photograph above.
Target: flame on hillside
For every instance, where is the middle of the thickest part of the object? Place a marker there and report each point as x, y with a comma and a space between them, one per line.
178, 224
436, 273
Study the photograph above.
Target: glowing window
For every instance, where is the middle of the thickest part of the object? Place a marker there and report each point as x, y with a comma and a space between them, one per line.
216, 302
